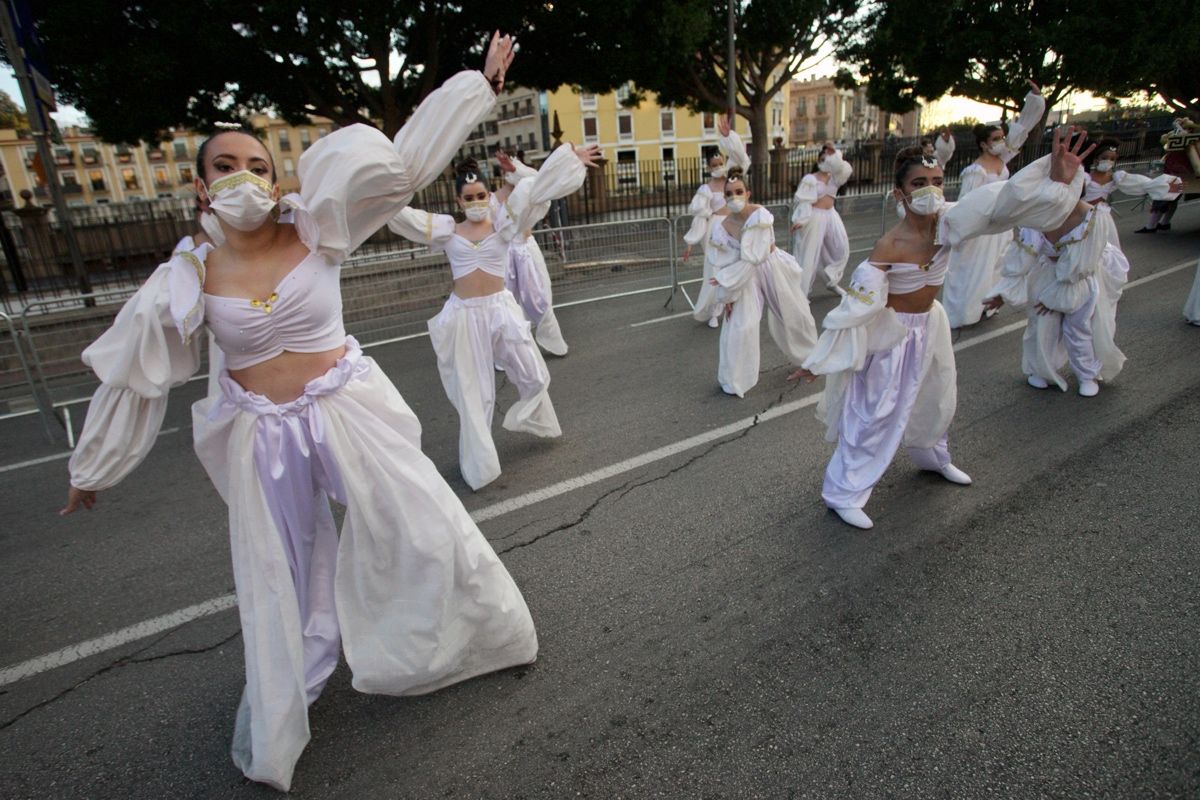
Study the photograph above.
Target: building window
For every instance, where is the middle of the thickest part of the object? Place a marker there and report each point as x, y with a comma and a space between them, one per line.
802, 107
625, 127
160, 177
627, 169
289, 168
820, 132
96, 179
520, 141
591, 130
90, 155
305, 139
667, 123
129, 178
322, 132
181, 149
820, 105
30, 154
668, 163
285, 144
63, 156
124, 155
587, 100
185, 174
624, 92
708, 122
68, 179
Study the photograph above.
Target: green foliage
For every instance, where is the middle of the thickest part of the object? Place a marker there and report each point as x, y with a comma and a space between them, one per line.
986, 49
11, 114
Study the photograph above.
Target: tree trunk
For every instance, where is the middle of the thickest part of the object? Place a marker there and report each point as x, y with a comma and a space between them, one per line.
760, 146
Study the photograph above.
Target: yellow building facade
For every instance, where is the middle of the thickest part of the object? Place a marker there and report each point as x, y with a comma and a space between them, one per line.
93, 172
650, 135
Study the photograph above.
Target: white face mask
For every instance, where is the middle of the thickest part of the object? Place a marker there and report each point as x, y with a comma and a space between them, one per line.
242, 199
826, 165
1104, 166
926, 201
997, 148
718, 172
736, 204
477, 210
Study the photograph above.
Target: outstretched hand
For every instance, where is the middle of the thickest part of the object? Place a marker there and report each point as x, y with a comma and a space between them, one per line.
505, 161
1033, 86
499, 58
1065, 155
77, 498
723, 125
589, 154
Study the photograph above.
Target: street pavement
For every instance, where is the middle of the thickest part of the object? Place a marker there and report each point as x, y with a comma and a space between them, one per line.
707, 628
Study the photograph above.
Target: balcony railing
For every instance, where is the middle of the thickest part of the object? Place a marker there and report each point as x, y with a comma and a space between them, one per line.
157, 155
72, 188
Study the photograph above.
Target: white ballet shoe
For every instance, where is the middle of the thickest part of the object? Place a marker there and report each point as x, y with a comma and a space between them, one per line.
955, 475
1037, 382
856, 517
713, 322
1088, 388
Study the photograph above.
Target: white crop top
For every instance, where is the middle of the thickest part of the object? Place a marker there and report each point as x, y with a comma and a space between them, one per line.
905, 277
489, 254
302, 315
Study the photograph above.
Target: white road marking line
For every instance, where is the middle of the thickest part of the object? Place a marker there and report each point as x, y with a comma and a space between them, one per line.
661, 319
100, 644
58, 456
150, 627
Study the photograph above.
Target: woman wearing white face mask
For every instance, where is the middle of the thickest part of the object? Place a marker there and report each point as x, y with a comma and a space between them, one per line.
753, 274
481, 325
708, 200
819, 240
886, 350
1070, 279
974, 265
411, 592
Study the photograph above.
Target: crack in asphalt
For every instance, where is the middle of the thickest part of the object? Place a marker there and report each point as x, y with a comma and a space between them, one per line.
123, 661
629, 485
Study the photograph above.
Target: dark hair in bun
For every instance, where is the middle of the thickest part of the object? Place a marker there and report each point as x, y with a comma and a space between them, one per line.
910, 157
736, 175
982, 132
465, 173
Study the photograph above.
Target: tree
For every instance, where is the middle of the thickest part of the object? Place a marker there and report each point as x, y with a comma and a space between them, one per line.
11, 114
137, 69
986, 49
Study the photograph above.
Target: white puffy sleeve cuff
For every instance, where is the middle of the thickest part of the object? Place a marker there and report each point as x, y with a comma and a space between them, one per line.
701, 211
560, 175
519, 174
1019, 259
735, 151
859, 325
422, 227
758, 237
806, 195
1029, 199
839, 169
1026, 121
1156, 188
943, 150
138, 360
354, 180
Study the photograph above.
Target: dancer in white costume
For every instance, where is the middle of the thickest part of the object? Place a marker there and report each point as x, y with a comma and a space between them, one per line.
411, 590
1070, 278
940, 146
754, 274
819, 240
975, 265
481, 325
886, 349
708, 200
528, 278
706, 207
1102, 181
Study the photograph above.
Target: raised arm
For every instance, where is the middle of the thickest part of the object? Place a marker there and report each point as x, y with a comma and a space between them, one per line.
1164, 187
422, 227
1026, 121
561, 174
943, 149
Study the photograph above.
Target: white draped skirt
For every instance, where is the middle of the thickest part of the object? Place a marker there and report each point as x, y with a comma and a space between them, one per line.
822, 246
774, 285
411, 589
974, 269
471, 337
528, 279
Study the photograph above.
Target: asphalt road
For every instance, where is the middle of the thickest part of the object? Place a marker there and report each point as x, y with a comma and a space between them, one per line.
707, 628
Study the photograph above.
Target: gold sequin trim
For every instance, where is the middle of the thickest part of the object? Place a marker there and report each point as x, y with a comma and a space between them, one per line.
429, 227
238, 179
861, 295
198, 266
1062, 243
265, 305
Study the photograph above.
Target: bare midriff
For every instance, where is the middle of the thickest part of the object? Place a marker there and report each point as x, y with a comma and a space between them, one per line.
282, 379
918, 302
823, 202
478, 284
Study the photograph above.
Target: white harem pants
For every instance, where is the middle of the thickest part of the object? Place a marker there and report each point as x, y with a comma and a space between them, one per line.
411, 590
471, 337
528, 279
904, 395
822, 246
